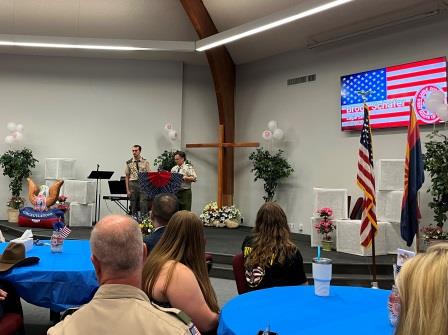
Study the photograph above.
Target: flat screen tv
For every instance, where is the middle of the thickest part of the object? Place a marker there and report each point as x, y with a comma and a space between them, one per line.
392, 88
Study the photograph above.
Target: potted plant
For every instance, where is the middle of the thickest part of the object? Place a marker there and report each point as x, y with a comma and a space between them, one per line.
270, 168
325, 226
432, 235
165, 161
16, 165
436, 163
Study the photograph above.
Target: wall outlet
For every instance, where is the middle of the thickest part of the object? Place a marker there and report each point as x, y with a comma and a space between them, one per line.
241, 220
300, 227
292, 226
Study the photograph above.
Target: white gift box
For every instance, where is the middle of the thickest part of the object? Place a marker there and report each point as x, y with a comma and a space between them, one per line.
390, 174
28, 243
315, 236
388, 205
348, 238
81, 215
60, 168
394, 240
80, 191
336, 199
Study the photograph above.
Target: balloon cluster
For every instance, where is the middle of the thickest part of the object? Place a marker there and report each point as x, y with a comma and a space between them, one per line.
172, 134
273, 132
435, 103
16, 133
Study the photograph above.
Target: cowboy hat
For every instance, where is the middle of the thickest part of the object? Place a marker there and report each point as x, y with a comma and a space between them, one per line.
14, 255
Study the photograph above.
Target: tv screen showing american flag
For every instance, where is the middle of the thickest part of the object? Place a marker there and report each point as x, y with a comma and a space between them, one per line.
391, 89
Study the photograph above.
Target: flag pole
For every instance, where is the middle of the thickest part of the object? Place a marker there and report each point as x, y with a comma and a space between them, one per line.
374, 282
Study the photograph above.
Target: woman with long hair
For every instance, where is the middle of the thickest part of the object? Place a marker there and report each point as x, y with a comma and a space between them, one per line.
270, 257
175, 273
423, 289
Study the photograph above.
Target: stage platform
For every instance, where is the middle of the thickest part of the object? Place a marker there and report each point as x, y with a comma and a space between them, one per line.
223, 243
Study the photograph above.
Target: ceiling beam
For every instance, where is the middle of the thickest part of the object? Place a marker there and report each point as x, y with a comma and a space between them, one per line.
223, 72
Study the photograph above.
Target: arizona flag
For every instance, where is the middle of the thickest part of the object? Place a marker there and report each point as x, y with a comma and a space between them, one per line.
413, 180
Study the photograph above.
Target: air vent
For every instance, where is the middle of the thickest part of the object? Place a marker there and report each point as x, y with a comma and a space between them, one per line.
301, 80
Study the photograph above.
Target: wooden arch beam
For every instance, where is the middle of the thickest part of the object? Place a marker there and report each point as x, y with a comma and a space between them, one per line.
223, 73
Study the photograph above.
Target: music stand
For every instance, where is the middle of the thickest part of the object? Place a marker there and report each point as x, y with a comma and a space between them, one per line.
96, 174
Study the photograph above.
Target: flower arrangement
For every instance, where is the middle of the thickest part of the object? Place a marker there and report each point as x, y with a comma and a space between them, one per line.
146, 226
326, 225
434, 233
62, 204
213, 216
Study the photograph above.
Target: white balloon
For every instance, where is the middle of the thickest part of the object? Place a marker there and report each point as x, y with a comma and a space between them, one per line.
278, 134
267, 135
433, 105
172, 135
18, 135
11, 126
168, 127
442, 112
9, 139
272, 125
436, 95
19, 128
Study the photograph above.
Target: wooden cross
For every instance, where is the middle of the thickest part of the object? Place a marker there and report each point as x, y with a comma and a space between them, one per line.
221, 145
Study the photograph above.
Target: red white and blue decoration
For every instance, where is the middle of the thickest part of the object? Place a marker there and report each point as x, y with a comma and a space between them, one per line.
154, 183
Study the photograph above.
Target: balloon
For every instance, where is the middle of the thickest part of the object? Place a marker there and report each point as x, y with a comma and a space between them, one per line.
11, 126
267, 135
168, 127
172, 135
9, 139
19, 128
18, 135
272, 125
278, 134
433, 105
436, 95
442, 112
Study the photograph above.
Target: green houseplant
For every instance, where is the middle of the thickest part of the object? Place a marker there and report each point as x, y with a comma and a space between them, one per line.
165, 161
17, 165
436, 163
270, 168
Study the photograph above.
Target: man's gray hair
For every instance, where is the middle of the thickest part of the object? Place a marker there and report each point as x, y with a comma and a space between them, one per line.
117, 242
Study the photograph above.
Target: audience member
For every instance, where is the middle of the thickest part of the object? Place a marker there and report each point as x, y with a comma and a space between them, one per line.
119, 306
164, 206
175, 274
270, 257
423, 290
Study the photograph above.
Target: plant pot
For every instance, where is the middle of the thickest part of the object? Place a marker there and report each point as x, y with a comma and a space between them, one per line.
430, 242
13, 215
327, 245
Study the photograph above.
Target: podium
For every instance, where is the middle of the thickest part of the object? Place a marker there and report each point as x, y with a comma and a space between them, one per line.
98, 175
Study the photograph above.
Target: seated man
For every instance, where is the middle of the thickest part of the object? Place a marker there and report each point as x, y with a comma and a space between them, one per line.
120, 306
164, 206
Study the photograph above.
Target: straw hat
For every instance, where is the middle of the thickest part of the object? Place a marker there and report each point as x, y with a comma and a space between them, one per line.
14, 255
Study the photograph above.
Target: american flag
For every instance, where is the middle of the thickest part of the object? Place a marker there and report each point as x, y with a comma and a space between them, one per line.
392, 88
366, 181
65, 231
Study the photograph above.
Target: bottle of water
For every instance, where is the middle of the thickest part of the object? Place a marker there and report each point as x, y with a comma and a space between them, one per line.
393, 306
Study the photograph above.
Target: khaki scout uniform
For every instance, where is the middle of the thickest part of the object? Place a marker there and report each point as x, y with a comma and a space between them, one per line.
138, 197
184, 195
123, 309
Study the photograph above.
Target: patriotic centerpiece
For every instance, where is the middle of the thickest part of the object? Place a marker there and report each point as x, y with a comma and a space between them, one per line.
60, 233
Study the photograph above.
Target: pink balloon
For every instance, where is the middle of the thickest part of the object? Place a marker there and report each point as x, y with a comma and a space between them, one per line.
267, 135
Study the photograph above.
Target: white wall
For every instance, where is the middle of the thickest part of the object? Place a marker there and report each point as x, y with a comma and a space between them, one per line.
92, 110
321, 154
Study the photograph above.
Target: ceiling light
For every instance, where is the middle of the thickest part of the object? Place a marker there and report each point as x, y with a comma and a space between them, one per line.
94, 43
267, 22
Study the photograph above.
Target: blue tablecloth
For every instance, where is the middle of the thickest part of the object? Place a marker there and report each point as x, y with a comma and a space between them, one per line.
59, 280
296, 310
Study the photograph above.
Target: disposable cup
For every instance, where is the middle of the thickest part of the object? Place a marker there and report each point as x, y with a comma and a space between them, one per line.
322, 269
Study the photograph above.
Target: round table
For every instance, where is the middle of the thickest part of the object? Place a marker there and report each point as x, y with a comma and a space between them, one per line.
297, 310
60, 280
